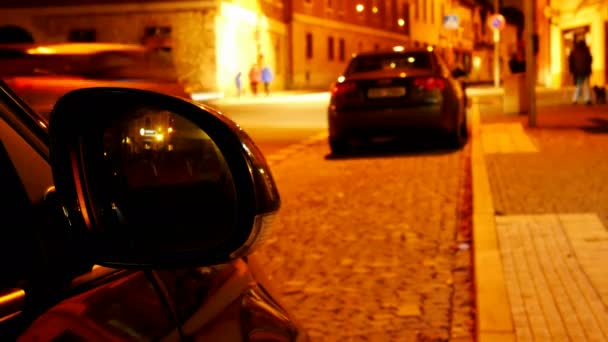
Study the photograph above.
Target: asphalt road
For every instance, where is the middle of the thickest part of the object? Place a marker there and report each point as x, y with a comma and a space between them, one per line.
278, 122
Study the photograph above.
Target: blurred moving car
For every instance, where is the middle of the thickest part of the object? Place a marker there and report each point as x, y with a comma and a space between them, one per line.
42, 73
96, 247
393, 93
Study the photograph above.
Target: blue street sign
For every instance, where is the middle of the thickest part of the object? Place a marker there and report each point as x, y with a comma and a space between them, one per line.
450, 22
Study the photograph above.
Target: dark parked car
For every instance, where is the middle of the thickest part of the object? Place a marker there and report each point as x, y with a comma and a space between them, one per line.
108, 237
41, 73
394, 93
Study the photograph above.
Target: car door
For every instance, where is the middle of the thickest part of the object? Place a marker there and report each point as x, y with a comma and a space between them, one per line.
47, 290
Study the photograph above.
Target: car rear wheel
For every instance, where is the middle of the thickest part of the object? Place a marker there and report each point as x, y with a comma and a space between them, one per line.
459, 136
338, 146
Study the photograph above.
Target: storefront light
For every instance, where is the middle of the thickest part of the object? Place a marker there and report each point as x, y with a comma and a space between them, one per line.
476, 62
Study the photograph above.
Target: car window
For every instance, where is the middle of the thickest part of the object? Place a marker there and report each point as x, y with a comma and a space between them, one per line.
17, 245
21, 255
399, 61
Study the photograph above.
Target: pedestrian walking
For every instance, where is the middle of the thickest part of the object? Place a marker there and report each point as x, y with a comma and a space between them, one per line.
254, 78
579, 63
239, 83
266, 79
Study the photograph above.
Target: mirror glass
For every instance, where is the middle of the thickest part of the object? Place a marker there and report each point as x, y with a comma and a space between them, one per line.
159, 184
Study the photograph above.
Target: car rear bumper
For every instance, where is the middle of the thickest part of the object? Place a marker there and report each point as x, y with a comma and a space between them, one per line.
389, 121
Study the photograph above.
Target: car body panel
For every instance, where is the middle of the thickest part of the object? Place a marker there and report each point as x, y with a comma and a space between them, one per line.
41, 92
389, 121
213, 302
41, 73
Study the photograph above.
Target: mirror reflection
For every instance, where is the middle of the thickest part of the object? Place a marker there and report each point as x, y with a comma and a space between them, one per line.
166, 180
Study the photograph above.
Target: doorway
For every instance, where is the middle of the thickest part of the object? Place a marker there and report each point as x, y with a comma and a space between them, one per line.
569, 38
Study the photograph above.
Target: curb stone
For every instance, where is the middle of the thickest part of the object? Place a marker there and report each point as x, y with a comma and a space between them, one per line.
493, 311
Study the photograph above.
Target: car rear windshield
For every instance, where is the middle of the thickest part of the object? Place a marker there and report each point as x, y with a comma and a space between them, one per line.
399, 61
107, 65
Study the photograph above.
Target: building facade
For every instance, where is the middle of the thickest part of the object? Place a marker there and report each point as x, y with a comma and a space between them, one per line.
306, 43
569, 21
210, 41
559, 24
326, 33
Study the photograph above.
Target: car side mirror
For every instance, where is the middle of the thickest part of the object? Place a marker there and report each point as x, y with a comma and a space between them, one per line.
158, 182
458, 72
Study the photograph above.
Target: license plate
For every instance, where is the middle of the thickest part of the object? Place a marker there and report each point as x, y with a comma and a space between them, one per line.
386, 92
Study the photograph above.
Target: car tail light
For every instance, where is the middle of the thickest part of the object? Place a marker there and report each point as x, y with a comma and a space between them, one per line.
430, 83
19, 84
343, 88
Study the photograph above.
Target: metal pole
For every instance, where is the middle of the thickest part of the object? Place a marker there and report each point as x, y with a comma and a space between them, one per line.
496, 50
530, 61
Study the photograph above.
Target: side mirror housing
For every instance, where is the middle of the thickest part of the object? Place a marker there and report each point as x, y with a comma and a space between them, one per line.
458, 72
154, 181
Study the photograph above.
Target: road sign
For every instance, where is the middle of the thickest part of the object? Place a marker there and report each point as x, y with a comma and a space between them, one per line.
451, 22
497, 22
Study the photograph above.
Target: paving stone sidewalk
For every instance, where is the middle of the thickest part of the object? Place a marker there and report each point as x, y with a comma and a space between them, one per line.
549, 192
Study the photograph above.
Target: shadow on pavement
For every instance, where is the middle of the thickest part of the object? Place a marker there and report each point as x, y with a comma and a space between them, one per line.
600, 127
398, 147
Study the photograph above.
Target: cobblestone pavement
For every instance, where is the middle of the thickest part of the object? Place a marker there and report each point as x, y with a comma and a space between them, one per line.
374, 248
574, 156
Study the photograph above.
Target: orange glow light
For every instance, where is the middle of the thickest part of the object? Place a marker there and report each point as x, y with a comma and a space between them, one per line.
401, 22
360, 8
13, 295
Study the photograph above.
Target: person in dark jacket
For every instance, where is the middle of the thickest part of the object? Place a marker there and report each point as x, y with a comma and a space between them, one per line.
580, 67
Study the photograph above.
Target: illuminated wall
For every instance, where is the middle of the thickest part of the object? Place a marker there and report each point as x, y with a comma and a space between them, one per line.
246, 36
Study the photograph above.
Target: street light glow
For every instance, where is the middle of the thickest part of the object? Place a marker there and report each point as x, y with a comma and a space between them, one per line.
360, 8
401, 22
375, 9
398, 48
